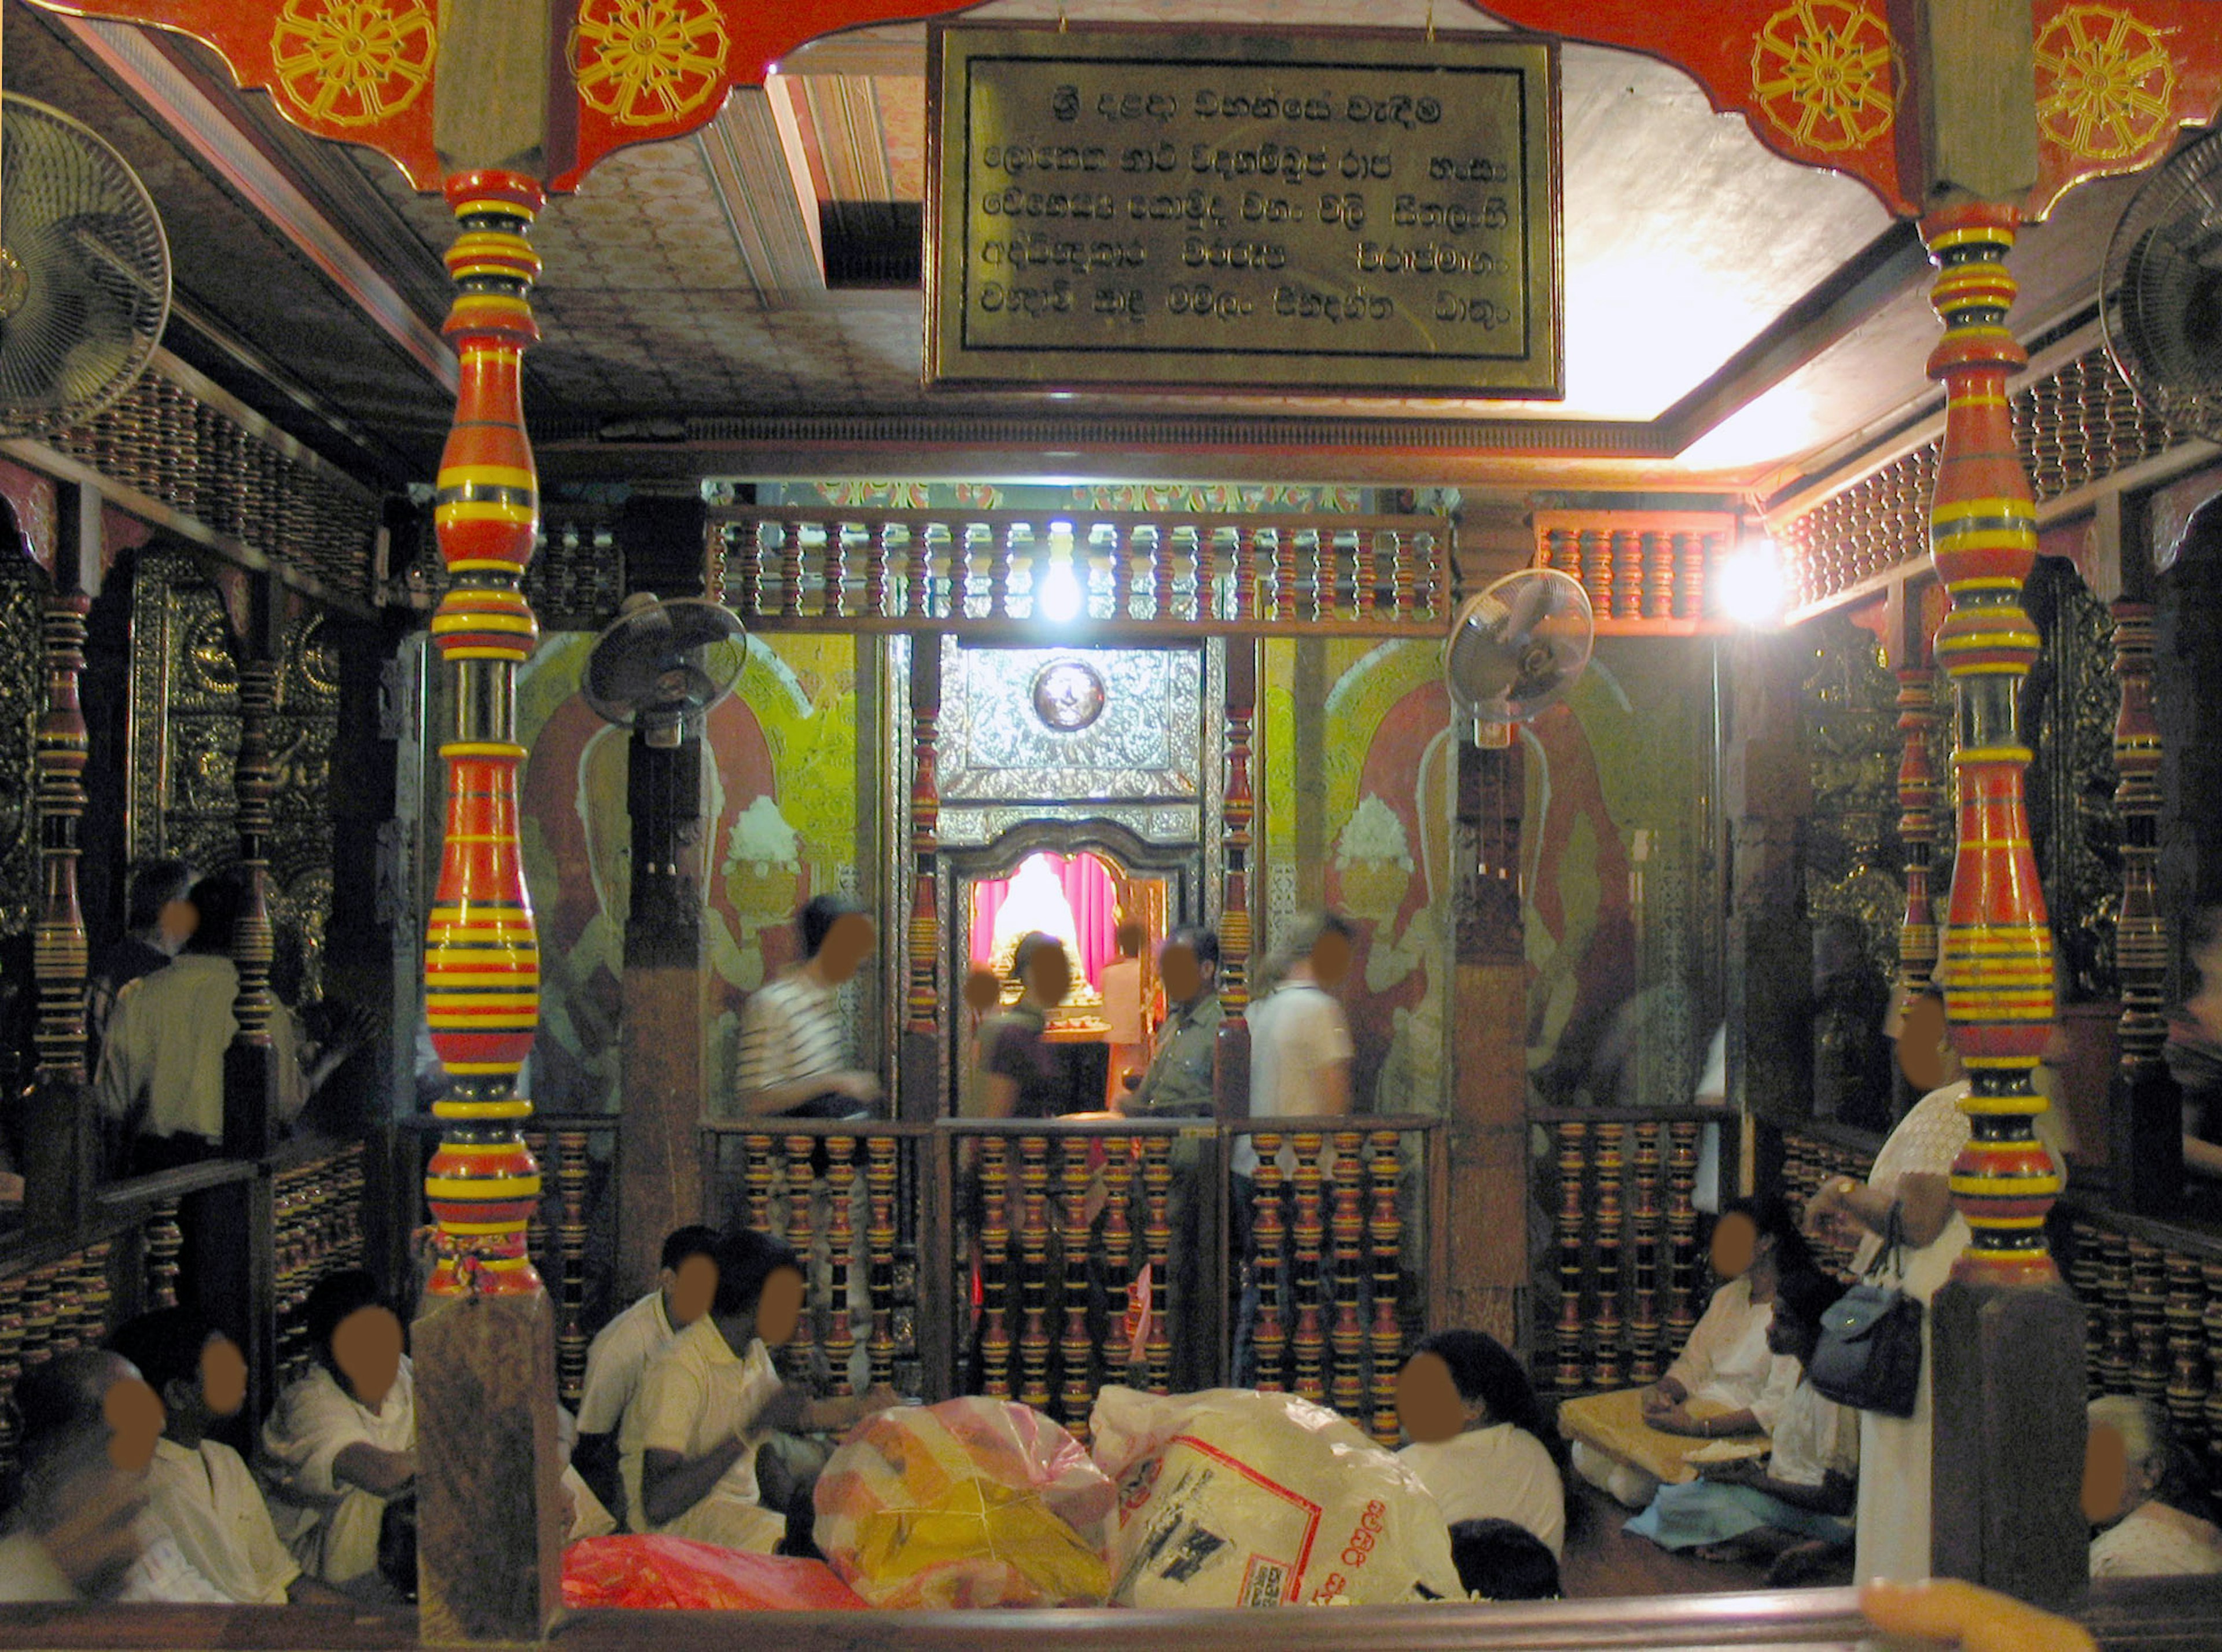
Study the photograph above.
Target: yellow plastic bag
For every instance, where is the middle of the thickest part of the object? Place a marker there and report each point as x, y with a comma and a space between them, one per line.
971, 1502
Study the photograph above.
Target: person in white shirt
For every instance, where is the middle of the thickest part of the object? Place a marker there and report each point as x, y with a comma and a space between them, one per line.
1797, 1506
78, 1529
1481, 1443
1300, 1053
794, 1057
343, 1441
622, 1351
1727, 1380
711, 1398
199, 1488
1120, 985
2137, 1491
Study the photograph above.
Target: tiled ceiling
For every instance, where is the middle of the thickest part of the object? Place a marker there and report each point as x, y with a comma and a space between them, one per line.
687, 279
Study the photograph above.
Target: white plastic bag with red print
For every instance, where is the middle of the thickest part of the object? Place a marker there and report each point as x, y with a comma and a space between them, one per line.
1232, 1498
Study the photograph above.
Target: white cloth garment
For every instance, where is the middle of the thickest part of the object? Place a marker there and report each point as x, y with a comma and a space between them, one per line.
330, 1527
162, 1576
1727, 1363
697, 1394
165, 1048
1498, 1473
617, 1358
790, 1030
1814, 1438
2155, 1541
1295, 1034
1122, 986
207, 1500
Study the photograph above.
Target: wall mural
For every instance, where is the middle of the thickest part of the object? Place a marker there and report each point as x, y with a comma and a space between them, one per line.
782, 821
1617, 939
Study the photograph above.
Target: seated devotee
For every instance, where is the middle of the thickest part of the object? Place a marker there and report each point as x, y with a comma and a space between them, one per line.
622, 1351
161, 1068
709, 1401
1022, 1076
794, 1057
2141, 1493
78, 1527
1502, 1560
1481, 1443
1727, 1380
199, 1488
1801, 1500
158, 921
342, 1443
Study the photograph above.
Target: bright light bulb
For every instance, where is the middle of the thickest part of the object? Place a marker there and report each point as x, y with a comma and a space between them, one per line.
1060, 597
1752, 591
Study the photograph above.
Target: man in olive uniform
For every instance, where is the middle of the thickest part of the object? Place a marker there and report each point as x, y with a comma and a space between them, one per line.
1178, 1085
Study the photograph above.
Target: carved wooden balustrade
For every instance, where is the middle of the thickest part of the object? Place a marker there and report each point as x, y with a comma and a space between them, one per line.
2152, 1295
316, 1229
1618, 1188
1127, 574
1041, 1261
1814, 1154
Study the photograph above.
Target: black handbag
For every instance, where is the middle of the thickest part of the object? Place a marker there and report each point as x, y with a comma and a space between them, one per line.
1869, 1356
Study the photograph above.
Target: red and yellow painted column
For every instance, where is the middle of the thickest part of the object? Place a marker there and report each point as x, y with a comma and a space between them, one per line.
1997, 947
482, 953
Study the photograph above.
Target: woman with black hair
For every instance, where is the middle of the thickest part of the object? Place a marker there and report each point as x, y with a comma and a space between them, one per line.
1481, 1443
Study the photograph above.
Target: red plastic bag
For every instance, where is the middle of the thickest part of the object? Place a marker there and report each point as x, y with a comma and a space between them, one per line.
678, 1574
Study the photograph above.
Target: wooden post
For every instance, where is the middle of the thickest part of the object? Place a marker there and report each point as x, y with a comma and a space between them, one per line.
2008, 1335
490, 1531
60, 1134
1768, 793
250, 1073
1487, 1141
920, 1077
1239, 809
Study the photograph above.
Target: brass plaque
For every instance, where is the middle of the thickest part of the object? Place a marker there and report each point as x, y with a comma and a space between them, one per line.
1346, 211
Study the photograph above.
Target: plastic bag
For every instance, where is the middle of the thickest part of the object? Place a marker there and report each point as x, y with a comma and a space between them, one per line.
678, 1573
971, 1502
1232, 1498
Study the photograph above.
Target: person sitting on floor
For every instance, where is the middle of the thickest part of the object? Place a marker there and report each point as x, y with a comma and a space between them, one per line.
1501, 1560
1727, 1380
1481, 1443
2143, 1492
1800, 1503
78, 1527
622, 1350
343, 1441
200, 1489
709, 1400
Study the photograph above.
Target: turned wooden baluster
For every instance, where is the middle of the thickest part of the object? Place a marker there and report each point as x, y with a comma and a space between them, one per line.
1076, 1394
1157, 1238
1311, 1343
879, 1244
879, 557
841, 1249
12, 1367
1644, 1367
996, 1267
39, 1315
2149, 1318
571, 1338
918, 597
1239, 813
802, 1239
1349, 1231
834, 575
94, 1296
1033, 1248
758, 1172
165, 1243
64, 1334
1386, 1237
535, 1224
2140, 934
2211, 1323
1002, 559
62, 750
790, 571
1270, 1335
2119, 1365
1916, 824
1573, 1224
1681, 1233
1606, 1366
1118, 1253
1150, 573
752, 572
1243, 585
1365, 577
2187, 1349
2087, 1277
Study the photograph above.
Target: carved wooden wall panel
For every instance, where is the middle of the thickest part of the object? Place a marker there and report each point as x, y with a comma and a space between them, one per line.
21, 697
2073, 698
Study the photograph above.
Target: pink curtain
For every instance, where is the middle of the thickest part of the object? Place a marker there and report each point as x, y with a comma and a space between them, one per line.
1089, 891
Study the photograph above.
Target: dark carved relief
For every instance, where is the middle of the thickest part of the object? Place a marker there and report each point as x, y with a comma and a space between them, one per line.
1855, 885
22, 697
304, 730
2070, 704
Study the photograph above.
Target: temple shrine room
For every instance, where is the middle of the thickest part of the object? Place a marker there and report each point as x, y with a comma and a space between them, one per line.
934, 825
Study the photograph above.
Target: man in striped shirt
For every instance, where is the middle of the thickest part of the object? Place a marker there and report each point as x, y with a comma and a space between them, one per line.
795, 1060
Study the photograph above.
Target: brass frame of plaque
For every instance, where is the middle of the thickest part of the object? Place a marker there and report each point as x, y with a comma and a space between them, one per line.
1330, 212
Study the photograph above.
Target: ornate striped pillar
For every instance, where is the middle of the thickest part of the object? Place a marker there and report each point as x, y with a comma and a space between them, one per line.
1916, 827
58, 944
2007, 1343
1997, 948
1238, 810
920, 1077
481, 954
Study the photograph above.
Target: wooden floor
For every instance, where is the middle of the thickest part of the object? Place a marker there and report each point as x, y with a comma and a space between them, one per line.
1603, 1561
